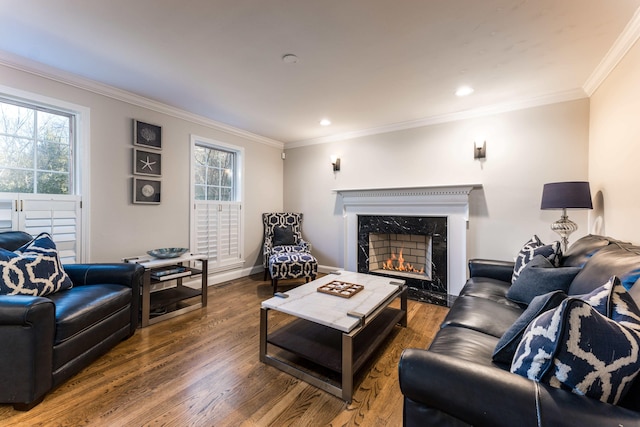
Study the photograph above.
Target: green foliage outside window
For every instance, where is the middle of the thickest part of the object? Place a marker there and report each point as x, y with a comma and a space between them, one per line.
35, 150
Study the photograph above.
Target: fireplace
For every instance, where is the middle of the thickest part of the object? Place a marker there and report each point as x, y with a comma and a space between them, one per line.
443, 213
408, 247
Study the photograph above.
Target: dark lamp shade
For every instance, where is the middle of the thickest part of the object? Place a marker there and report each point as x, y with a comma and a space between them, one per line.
566, 195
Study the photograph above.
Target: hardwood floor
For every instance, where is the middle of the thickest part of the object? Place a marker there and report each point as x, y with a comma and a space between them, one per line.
202, 369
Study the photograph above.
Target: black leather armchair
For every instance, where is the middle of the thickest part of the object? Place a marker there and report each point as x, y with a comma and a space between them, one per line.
46, 340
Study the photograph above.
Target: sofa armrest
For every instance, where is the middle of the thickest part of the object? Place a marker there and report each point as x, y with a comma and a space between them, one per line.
493, 269
130, 275
117, 273
27, 329
488, 396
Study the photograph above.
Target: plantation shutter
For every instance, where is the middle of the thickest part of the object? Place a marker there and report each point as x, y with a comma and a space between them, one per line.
8, 216
58, 215
218, 231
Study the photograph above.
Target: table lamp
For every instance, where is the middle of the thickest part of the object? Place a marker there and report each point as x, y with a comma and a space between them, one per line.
566, 195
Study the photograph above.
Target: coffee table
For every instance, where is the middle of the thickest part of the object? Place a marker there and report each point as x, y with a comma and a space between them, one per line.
334, 333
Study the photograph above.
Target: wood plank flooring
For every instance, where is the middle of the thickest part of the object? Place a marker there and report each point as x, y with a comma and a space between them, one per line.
202, 369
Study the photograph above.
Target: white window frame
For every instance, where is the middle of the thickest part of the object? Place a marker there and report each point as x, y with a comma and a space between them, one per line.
219, 263
81, 156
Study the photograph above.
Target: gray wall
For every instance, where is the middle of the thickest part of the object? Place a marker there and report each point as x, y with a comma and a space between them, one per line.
119, 228
525, 149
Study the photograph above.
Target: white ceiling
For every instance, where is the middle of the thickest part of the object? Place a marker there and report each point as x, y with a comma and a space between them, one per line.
365, 64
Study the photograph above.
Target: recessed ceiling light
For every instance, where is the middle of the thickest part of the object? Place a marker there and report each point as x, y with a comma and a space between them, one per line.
289, 58
464, 91
325, 122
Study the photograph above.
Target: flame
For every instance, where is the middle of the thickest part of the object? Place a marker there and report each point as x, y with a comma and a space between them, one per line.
397, 263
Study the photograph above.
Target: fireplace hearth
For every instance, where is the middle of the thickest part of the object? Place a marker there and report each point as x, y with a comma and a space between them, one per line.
408, 247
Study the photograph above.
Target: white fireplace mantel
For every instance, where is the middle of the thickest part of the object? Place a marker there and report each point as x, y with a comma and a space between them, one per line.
450, 201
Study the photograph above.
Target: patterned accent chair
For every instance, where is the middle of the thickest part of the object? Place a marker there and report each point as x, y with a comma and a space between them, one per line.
286, 255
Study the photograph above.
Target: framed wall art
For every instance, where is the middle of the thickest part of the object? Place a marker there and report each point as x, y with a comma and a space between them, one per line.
146, 191
147, 135
147, 162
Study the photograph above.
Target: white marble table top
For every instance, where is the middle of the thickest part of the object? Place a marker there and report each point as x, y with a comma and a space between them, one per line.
330, 310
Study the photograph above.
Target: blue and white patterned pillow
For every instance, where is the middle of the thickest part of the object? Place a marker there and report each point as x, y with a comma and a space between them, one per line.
613, 300
575, 348
33, 269
533, 247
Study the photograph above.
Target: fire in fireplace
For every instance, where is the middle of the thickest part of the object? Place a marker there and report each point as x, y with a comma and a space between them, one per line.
412, 248
403, 255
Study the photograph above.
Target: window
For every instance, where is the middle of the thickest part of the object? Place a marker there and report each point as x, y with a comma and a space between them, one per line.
216, 220
36, 150
214, 173
39, 165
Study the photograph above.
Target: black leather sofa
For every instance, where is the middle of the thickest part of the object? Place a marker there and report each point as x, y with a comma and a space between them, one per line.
46, 340
455, 382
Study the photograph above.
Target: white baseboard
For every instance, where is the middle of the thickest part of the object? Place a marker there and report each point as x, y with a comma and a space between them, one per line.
225, 276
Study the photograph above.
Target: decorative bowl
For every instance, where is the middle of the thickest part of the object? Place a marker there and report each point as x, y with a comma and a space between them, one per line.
167, 252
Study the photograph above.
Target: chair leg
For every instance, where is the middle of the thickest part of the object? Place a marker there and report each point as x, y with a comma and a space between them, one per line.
27, 406
274, 283
266, 270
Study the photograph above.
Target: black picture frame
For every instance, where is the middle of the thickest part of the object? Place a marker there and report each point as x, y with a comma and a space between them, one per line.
147, 135
147, 162
146, 191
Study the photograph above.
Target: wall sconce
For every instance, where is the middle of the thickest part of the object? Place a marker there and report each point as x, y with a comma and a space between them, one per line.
335, 162
480, 152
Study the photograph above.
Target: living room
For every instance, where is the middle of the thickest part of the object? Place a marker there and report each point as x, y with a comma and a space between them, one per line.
588, 132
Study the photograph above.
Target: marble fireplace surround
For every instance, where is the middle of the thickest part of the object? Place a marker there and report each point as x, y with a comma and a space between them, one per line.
451, 202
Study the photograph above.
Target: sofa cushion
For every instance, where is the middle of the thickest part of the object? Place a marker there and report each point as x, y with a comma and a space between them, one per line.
573, 347
33, 269
539, 277
81, 307
532, 248
582, 249
466, 344
482, 315
491, 289
616, 259
508, 343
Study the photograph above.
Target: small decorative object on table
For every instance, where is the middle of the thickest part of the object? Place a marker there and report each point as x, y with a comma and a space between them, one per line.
341, 289
167, 252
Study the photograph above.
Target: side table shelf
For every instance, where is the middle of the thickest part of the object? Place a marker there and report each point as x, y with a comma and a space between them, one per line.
177, 299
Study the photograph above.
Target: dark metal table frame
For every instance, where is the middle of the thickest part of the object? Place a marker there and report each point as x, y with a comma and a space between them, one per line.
389, 318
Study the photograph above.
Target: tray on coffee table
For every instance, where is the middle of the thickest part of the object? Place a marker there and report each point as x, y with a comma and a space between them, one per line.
340, 289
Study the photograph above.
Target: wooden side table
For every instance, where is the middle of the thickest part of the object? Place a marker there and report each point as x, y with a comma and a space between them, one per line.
158, 270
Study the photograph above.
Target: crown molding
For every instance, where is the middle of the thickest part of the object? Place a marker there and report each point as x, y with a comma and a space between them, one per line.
41, 70
552, 98
621, 46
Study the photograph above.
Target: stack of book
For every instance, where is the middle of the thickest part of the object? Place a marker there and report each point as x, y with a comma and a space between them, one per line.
159, 273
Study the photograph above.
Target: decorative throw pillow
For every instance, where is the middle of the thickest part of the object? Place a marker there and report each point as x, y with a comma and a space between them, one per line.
508, 343
575, 348
613, 300
283, 236
538, 277
534, 247
33, 269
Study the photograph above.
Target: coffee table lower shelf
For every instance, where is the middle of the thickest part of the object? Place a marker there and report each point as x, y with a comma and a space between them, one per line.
341, 353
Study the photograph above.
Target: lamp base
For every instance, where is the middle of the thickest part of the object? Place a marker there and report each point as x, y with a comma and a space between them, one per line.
564, 227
